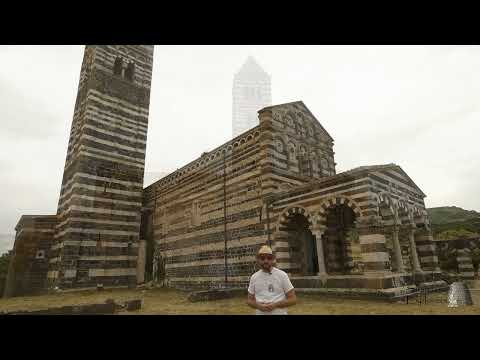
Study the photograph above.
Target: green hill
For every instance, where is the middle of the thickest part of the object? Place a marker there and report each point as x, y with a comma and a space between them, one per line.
449, 214
453, 222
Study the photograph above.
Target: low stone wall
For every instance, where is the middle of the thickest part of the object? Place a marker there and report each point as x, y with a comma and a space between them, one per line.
216, 294
110, 307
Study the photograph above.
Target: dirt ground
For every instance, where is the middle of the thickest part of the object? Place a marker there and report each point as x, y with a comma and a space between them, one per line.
172, 302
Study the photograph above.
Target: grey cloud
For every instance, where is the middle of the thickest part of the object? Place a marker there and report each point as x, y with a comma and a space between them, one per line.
23, 117
414, 106
6, 242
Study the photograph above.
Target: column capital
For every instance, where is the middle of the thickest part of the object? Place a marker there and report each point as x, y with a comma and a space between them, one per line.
319, 230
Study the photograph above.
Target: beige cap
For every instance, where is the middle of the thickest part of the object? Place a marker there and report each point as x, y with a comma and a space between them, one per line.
265, 249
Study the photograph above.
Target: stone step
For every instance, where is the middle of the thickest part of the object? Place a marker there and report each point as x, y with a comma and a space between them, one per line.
361, 293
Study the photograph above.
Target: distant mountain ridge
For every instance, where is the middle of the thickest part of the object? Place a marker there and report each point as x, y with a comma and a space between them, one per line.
449, 214
450, 222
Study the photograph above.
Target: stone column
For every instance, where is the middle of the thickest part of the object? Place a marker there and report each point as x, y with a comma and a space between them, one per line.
413, 251
372, 245
397, 250
142, 250
427, 250
465, 265
322, 270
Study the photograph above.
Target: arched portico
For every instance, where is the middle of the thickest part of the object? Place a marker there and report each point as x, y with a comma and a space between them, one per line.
336, 220
294, 243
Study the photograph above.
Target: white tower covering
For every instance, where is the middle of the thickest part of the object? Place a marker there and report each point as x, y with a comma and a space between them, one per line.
251, 92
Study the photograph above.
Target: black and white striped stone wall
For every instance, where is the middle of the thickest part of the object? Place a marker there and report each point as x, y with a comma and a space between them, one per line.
97, 237
284, 166
27, 274
189, 218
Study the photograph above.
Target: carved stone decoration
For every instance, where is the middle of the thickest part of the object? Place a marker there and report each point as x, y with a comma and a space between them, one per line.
277, 116
302, 129
303, 151
309, 131
279, 146
291, 148
290, 121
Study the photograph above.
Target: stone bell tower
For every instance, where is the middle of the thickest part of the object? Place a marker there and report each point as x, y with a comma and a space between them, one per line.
251, 92
96, 240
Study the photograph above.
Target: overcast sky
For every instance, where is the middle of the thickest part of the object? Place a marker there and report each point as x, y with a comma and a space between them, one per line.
416, 106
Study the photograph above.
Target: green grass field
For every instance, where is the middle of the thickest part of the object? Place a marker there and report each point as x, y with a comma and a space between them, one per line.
172, 302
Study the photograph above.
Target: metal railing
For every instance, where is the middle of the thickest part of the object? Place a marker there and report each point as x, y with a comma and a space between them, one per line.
433, 295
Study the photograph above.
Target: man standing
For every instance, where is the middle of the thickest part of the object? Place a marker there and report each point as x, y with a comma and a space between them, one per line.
270, 291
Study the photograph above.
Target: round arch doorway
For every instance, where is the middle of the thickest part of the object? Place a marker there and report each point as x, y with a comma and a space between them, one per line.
302, 246
338, 239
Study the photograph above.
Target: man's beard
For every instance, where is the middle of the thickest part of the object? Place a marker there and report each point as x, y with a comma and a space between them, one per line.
266, 266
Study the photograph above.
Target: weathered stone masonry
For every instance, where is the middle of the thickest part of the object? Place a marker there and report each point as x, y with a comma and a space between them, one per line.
28, 268
97, 236
277, 174
201, 226
95, 239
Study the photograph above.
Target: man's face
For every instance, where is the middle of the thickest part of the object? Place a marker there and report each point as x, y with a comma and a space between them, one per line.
266, 261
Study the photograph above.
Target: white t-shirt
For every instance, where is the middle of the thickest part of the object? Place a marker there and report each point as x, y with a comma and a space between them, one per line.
270, 287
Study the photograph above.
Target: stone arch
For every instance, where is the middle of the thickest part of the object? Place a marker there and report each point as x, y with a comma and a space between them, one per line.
337, 218
337, 200
130, 71
292, 210
118, 65
420, 217
294, 242
387, 208
404, 212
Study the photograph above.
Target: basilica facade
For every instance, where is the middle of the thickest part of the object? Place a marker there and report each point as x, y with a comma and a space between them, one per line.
201, 226
276, 184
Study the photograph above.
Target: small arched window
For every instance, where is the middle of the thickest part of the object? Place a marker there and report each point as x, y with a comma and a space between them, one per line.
279, 145
324, 166
117, 66
303, 151
129, 72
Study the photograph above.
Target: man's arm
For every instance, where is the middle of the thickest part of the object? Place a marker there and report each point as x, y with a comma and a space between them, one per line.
252, 302
289, 301
291, 297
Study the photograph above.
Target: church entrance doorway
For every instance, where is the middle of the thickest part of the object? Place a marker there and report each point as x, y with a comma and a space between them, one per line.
302, 246
338, 239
